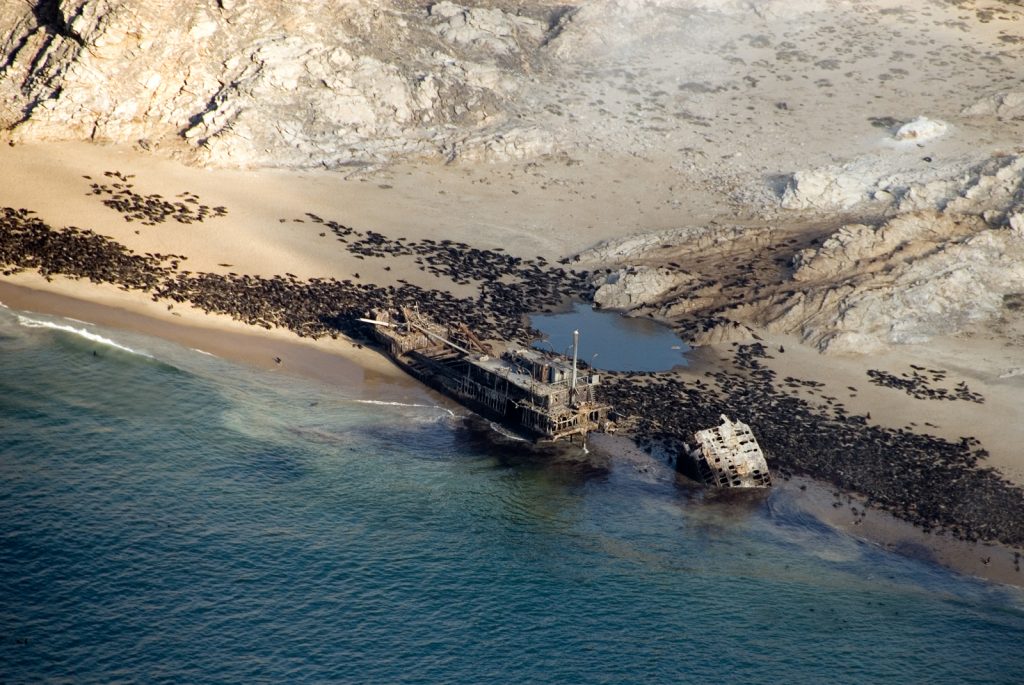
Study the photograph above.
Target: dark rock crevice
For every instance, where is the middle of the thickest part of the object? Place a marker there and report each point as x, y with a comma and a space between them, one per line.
49, 15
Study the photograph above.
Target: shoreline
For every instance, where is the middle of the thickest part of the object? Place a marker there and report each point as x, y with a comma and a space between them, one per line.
340, 363
334, 362
293, 255
870, 526
988, 561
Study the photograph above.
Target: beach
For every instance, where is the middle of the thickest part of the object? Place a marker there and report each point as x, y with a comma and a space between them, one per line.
270, 229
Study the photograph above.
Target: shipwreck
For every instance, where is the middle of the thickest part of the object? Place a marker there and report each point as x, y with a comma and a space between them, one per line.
728, 456
541, 396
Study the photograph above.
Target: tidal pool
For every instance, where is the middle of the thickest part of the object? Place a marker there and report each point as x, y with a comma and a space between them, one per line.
610, 341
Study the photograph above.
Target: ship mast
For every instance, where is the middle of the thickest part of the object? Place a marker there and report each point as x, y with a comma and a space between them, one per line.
575, 354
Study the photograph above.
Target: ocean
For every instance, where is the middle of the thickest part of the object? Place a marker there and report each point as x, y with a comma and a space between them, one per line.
167, 516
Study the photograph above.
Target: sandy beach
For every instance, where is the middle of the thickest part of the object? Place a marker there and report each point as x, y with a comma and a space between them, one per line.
252, 240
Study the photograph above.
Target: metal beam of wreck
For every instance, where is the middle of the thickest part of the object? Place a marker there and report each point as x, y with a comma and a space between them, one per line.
435, 336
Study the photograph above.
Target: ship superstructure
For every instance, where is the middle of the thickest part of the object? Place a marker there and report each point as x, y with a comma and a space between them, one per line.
544, 396
728, 456
540, 395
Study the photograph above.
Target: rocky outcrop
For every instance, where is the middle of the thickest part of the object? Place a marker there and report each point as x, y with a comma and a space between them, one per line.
254, 83
990, 186
486, 29
913, 278
857, 289
686, 87
1003, 105
827, 188
992, 189
857, 249
627, 289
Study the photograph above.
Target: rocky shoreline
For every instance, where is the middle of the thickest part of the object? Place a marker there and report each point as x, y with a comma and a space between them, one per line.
938, 484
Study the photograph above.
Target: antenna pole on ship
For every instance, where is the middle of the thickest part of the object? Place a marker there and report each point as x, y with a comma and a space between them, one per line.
575, 354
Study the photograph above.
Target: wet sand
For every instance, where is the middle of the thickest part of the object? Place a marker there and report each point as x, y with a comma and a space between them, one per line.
333, 362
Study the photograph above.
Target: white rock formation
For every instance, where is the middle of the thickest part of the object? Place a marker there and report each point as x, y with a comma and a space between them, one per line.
915, 277
628, 289
921, 129
992, 188
992, 185
256, 83
513, 143
1003, 105
827, 188
490, 30
730, 90
863, 288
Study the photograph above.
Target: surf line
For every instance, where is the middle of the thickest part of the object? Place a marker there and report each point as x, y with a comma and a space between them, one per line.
81, 332
402, 404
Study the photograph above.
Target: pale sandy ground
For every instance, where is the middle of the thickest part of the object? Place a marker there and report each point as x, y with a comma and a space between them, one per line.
998, 423
435, 201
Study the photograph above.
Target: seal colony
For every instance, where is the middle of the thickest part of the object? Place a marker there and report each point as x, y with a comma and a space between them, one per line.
936, 483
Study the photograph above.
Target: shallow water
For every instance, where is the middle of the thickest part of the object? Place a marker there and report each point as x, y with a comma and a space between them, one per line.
610, 341
178, 518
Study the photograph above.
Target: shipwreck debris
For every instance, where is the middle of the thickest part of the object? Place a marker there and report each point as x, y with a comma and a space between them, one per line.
728, 456
543, 396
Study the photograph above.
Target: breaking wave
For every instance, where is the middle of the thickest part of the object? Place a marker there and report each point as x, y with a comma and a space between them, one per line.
403, 404
501, 430
81, 332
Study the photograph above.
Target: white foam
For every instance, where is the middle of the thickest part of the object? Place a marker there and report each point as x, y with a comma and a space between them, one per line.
498, 428
208, 354
88, 335
402, 404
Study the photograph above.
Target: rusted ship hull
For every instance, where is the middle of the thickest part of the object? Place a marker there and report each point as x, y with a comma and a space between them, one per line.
446, 381
541, 396
532, 394
727, 456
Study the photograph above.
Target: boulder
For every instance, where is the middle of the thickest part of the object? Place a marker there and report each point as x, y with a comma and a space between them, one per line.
632, 287
921, 129
826, 188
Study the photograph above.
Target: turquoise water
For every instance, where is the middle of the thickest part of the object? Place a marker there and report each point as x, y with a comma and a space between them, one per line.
611, 341
175, 518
